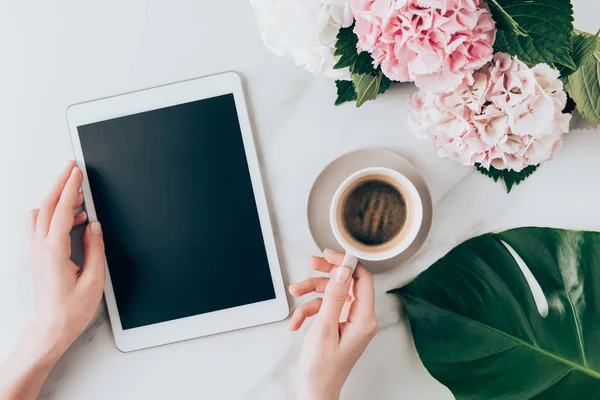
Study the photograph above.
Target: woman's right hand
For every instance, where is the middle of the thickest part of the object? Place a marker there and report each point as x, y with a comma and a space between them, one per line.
331, 349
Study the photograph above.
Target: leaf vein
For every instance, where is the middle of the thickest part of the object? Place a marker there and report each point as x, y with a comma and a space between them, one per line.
560, 378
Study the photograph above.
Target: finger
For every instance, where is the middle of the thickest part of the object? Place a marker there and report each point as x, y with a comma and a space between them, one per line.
364, 295
308, 286
306, 310
319, 264
92, 274
62, 220
335, 296
80, 219
49, 204
79, 201
33, 216
333, 257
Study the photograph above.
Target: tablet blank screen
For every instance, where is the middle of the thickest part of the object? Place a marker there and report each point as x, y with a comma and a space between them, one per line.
172, 190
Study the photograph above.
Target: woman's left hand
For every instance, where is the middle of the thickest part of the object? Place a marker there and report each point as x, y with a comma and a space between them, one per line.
65, 296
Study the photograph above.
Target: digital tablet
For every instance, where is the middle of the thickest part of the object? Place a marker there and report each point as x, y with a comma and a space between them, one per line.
172, 175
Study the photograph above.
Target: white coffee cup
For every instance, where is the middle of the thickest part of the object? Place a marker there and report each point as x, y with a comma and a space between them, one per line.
355, 249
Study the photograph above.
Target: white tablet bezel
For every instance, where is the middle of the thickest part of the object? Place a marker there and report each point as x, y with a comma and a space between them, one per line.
203, 324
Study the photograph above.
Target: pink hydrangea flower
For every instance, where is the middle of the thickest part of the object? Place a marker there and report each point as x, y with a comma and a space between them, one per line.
435, 43
506, 115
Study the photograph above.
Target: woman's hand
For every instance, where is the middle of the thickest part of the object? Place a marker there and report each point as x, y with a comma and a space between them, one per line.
332, 348
66, 296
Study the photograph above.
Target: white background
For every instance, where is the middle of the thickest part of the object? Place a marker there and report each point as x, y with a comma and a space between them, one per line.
53, 54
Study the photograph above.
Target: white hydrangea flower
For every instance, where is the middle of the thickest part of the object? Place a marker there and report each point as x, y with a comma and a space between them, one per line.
304, 30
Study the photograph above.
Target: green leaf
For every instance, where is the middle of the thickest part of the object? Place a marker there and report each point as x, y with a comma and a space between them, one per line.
548, 25
509, 176
345, 47
583, 85
367, 81
584, 47
363, 64
385, 84
366, 87
503, 19
477, 327
345, 92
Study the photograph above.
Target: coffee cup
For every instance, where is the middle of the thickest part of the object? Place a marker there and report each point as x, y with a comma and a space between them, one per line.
375, 214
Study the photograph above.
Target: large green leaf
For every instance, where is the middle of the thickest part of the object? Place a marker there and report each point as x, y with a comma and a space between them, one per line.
544, 30
583, 85
503, 19
477, 327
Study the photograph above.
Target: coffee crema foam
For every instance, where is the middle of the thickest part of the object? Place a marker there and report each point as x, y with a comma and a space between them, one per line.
374, 211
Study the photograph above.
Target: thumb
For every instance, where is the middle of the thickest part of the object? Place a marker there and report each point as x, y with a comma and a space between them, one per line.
336, 294
93, 256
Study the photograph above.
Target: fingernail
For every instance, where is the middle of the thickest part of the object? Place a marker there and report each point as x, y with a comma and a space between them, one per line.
95, 227
343, 274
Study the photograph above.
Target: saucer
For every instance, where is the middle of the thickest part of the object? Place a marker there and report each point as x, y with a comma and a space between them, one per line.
332, 176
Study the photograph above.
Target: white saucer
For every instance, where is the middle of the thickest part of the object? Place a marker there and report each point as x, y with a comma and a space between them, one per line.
322, 191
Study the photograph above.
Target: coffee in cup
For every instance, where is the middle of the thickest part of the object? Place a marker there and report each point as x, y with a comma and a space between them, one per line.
375, 214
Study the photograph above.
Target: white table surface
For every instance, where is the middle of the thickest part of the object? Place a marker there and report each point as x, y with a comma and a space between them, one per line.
57, 53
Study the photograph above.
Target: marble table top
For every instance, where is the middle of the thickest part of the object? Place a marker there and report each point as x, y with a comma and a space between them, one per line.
63, 52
